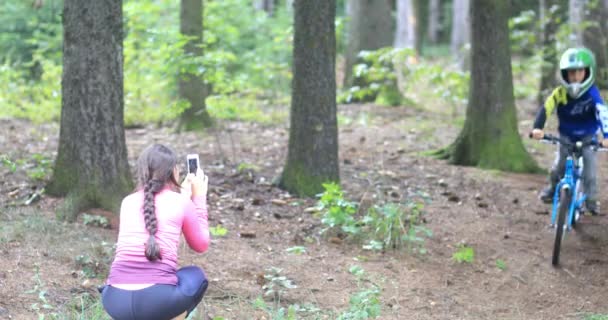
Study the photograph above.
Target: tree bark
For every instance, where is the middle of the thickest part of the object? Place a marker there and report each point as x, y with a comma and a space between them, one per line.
553, 13
461, 33
91, 168
405, 35
266, 5
434, 21
191, 86
576, 14
370, 27
313, 134
489, 138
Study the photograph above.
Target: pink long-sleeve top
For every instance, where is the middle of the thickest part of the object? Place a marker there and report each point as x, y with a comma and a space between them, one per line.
175, 213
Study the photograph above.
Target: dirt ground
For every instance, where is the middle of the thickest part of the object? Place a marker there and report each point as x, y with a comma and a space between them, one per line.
45, 263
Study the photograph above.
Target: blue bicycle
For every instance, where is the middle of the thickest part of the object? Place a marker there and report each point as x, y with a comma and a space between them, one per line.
569, 197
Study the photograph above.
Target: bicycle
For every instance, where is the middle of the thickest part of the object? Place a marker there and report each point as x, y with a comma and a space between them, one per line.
569, 197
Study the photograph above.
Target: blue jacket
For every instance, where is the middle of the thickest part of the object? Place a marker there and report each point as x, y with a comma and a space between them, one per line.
577, 118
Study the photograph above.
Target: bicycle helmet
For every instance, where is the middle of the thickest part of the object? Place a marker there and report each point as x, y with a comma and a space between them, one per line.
577, 58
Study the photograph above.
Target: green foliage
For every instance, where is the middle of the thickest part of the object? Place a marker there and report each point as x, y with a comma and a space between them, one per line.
95, 220
297, 250
276, 312
375, 78
95, 264
596, 317
390, 225
464, 254
337, 212
7, 162
246, 60
393, 225
218, 231
500, 264
523, 30
365, 303
27, 29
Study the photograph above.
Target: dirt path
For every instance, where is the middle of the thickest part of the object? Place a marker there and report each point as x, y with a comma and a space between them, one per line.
496, 214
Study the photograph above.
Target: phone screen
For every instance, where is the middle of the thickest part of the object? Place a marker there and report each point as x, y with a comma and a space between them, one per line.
192, 165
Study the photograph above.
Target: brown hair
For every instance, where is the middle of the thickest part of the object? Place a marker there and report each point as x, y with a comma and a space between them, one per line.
154, 171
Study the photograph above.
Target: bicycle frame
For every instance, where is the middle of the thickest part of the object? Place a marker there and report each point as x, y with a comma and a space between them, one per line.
572, 175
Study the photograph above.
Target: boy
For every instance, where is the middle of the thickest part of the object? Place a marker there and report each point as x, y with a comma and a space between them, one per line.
581, 113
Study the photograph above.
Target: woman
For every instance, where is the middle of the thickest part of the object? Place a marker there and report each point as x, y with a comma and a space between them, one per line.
144, 282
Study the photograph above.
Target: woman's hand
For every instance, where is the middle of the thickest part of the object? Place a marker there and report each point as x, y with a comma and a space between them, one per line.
199, 183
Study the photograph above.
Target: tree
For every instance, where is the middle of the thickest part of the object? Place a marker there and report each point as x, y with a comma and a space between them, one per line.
406, 35
461, 32
191, 86
489, 138
312, 157
266, 5
434, 20
370, 27
553, 14
91, 168
595, 37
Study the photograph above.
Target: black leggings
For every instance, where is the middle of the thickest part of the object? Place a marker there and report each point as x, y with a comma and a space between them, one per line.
158, 302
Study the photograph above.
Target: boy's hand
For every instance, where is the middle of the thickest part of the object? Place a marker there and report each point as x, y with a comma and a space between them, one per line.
537, 134
605, 143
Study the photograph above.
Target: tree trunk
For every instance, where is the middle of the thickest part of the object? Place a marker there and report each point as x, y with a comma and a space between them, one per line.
461, 33
576, 14
553, 13
313, 134
191, 86
595, 37
434, 16
370, 27
91, 168
490, 137
405, 34
266, 5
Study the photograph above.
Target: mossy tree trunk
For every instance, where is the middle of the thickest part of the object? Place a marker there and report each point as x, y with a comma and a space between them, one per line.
370, 27
91, 168
191, 86
554, 13
313, 134
490, 137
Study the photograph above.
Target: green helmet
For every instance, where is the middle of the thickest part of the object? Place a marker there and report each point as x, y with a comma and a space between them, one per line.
577, 58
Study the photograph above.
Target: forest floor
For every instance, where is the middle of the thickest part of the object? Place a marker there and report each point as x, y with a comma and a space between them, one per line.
51, 267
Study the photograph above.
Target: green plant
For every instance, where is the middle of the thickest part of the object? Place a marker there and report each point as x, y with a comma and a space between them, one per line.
464, 254
43, 307
6, 161
596, 317
500, 264
95, 264
393, 225
95, 221
297, 250
276, 283
375, 78
336, 211
365, 303
218, 231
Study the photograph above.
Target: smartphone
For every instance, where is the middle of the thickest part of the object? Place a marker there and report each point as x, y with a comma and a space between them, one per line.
193, 163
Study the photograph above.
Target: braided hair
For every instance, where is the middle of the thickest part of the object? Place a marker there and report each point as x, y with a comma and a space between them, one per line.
154, 171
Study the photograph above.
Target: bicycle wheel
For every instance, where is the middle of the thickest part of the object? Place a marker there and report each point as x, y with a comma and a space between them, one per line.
562, 211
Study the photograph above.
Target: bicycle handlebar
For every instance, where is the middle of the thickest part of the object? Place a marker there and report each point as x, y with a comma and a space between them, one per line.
596, 146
